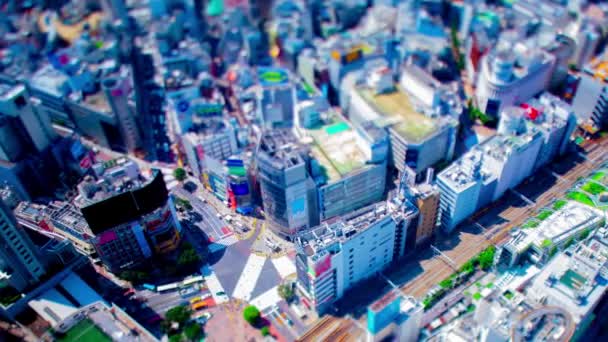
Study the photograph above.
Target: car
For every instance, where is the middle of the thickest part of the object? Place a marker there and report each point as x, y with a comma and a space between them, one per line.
220, 293
204, 317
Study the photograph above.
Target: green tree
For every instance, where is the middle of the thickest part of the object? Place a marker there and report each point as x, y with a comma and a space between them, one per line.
486, 258
179, 314
175, 338
192, 331
188, 256
265, 331
251, 314
446, 283
179, 174
286, 291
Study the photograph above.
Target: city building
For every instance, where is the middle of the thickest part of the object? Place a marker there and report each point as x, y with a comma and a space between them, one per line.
338, 254
289, 196
421, 120
21, 264
117, 91
25, 144
425, 197
394, 316
552, 234
131, 216
276, 98
58, 220
213, 138
575, 280
107, 320
347, 165
528, 137
500, 84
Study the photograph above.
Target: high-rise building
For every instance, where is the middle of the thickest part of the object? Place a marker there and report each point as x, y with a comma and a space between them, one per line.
149, 104
25, 143
276, 97
288, 192
117, 90
333, 257
131, 216
20, 261
528, 137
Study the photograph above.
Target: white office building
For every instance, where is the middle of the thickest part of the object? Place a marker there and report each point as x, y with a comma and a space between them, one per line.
500, 84
528, 137
334, 256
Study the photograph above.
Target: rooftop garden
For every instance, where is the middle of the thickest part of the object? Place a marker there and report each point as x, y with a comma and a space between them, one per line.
580, 197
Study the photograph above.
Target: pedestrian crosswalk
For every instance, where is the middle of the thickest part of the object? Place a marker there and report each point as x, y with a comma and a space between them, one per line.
267, 299
223, 243
249, 277
284, 266
214, 285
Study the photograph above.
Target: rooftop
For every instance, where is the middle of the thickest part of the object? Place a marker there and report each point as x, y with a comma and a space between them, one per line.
398, 112
281, 148
576, 279
335, 148
318, 239
562, 224
112, 178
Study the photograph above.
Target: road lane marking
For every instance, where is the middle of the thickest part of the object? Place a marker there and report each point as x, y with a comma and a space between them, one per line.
223, 243
249, 277
214, 285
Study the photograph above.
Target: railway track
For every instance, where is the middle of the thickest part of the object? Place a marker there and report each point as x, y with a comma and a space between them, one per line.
436, 269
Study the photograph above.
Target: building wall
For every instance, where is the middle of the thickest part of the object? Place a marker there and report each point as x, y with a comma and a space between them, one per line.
122, 247
18, 255
352, 192
428, 207
456, 204
367, 253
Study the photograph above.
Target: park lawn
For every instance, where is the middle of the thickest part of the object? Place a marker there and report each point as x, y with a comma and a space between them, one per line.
581, 198
85, 331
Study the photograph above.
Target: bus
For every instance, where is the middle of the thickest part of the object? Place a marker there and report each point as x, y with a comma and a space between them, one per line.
149, 287
167, 287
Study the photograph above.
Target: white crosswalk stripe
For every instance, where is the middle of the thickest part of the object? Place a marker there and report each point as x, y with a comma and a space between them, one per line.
267, 299
249, 277
214, 285
284, 266
223, 243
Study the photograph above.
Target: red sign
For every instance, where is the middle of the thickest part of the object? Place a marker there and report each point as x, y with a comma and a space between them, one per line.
45, 226
323, 265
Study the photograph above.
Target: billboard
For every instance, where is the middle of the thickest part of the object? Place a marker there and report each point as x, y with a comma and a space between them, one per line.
127, 206
384, 311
